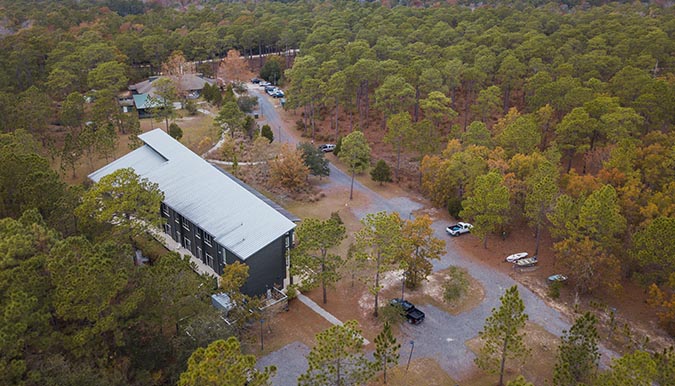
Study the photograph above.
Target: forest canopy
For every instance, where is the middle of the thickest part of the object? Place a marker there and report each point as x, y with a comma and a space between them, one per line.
566, 106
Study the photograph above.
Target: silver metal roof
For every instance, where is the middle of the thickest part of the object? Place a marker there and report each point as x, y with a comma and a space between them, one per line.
187, 82
236, 218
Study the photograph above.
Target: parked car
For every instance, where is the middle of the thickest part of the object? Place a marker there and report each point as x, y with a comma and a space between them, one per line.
277, 93
327, 148
264, 84
458, 229
270, 90
412, 314
255, 81
557, 278
516, 256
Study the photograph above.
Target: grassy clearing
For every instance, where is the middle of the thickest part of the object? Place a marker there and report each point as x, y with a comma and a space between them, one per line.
432, 293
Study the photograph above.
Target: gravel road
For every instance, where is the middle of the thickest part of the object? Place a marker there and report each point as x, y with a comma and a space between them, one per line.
441, 336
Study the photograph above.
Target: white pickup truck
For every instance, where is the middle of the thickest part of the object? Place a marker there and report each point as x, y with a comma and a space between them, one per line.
458, 229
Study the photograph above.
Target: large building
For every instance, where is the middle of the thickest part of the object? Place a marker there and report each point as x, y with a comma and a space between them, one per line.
216, 217
145, 97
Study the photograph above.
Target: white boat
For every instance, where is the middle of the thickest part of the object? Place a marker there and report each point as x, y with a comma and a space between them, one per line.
516, 256
527, 262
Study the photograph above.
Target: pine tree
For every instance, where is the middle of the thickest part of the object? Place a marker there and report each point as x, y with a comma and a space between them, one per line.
379, 245
386, 350
337, 358
222, 363
488, 205
503, 334
311, 259
578, 354
355, 153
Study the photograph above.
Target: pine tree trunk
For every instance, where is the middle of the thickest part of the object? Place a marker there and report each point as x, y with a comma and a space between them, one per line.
323, 280
367, 104
536, 243
466, 106
398, 161
501, 369
507, 96
416, 113
337, 132
377, 283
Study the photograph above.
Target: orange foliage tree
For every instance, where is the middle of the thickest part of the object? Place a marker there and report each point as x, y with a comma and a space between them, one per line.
288, 170
233, 68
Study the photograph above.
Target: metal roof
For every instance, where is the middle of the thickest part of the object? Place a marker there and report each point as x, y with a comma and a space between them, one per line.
261, 196
142, 101
237, 219
187, 82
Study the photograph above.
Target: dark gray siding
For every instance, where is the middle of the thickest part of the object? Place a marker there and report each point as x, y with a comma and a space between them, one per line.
192, 238
267, 267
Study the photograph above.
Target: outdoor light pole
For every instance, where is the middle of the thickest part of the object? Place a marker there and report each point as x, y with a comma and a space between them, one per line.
412, 347
262, 344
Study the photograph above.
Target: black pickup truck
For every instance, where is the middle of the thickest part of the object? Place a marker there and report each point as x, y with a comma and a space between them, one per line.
412, 314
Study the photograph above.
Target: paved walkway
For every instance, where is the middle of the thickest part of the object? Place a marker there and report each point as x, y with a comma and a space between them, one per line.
324, 314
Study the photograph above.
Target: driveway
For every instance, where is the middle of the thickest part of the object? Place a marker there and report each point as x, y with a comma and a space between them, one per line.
441, 336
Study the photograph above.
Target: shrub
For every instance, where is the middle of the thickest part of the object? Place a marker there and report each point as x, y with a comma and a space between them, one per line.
191, 107
456, 285
175, 131
554, 290
266, 132
292, 292
247, 103
381, 172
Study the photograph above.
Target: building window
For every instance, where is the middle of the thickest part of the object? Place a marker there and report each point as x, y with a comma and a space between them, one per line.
209, 260
187, 243
199, 253
186, 225
165, 210
167, 229
198, 234
207, 239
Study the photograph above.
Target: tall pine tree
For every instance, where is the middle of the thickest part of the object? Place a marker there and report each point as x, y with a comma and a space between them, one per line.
386, 350
503, 334
578, 354
337, 358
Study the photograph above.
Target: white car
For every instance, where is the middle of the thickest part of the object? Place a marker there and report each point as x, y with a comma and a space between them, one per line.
516, 256
327, 148
458, 229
